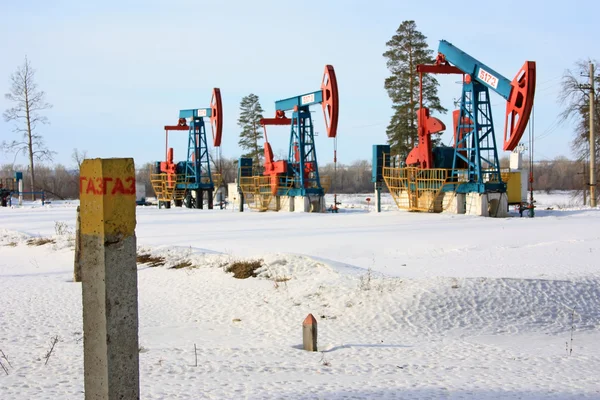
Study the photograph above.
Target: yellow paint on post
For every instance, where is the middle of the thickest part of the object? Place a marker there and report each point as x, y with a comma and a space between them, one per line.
107, 197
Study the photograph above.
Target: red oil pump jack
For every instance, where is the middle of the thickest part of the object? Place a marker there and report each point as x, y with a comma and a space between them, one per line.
474, 141
195, 176
301, 168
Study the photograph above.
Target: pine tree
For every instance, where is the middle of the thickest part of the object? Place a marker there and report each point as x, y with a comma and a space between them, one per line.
407, 49
249, 121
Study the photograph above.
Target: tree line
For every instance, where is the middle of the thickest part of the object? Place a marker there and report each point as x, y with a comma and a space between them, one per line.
61, 182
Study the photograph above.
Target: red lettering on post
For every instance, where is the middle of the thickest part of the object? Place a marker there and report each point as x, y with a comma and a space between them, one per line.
90, 187
131, 187
105, 184
118, 188
102, 185
100, 189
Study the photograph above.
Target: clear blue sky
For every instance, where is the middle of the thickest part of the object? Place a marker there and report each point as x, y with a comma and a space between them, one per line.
118, 71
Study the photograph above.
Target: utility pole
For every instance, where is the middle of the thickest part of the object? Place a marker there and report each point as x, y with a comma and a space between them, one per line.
592, 142
585, 182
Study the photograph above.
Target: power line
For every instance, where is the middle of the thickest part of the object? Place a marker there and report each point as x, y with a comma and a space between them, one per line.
365, 126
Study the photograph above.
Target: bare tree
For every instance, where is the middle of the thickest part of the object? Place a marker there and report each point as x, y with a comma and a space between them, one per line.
78, 157
28, 102
142, 175
574, 97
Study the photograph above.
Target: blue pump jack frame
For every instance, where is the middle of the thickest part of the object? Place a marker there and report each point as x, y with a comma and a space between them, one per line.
477, 148
302, 142
197, 166
478, 152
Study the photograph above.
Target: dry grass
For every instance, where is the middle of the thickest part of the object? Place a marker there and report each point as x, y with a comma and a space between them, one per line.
11, 244
40, 241
282, 279
244, 269
152, 261
182, 264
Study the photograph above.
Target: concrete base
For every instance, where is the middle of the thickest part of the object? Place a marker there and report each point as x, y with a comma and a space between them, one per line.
285, 203
233, 196
404, 199
425, 202
487, 204
378, 197
428, 201
309, 204
319, 204
454, 203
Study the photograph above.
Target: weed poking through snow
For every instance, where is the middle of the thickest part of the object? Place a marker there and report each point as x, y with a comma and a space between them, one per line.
365, 280
195, 355
53, 342
62, 228
40, 241
324, 361
569, 345
182, 264
244, 269
5, 358
152, 261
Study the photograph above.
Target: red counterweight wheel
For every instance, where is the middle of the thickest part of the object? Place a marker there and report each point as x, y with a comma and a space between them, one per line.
520, 103
216, 116
331, 101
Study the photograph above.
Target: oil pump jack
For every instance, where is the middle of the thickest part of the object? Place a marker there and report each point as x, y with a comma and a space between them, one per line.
297, 178
471, 166
474, 140
186, 182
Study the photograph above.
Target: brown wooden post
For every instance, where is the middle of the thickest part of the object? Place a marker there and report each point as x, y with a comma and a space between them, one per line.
77, 261
309, 333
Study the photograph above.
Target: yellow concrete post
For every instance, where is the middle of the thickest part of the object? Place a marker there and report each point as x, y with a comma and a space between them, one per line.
109, 279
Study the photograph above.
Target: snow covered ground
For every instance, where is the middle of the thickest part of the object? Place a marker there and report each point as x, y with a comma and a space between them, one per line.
409, 305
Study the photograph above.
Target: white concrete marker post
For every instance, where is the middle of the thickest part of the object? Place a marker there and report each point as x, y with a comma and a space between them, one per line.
20, 187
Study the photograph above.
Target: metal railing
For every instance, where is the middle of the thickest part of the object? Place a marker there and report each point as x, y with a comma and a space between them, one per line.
417, 189
260, 191
166, 186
